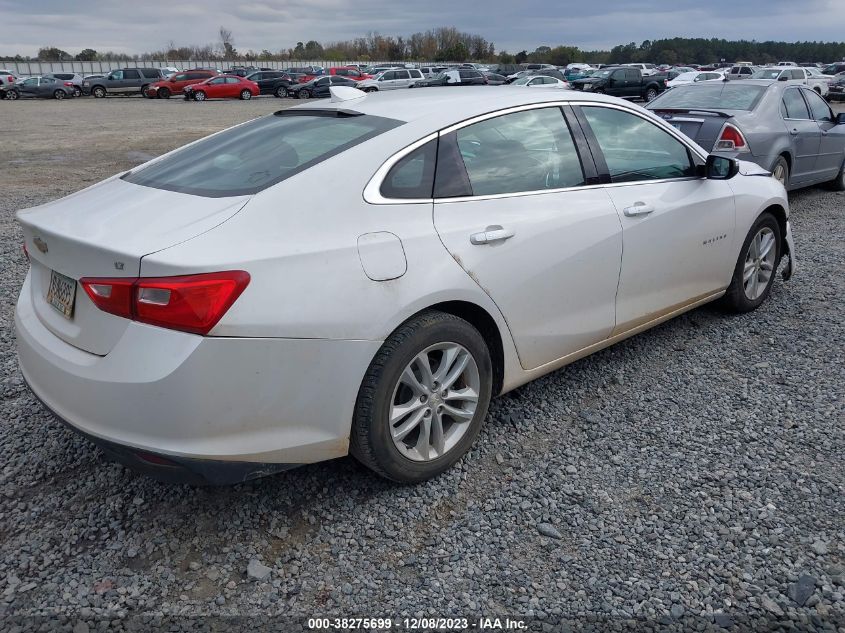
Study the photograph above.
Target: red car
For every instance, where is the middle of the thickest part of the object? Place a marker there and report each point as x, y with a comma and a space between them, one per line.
352, 73
177, 83
222, 87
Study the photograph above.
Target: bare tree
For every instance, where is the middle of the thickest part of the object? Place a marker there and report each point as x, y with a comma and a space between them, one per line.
228, 43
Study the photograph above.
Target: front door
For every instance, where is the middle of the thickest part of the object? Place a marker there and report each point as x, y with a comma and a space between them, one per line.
677, 228
805, 135
511, 209
832, 142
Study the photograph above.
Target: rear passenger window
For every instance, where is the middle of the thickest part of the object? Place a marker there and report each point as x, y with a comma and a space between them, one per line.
413, 176
794, 105
635, 149
131, 74
520, 152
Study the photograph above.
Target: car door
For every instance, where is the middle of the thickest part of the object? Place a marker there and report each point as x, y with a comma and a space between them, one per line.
28, 87
677, 228
832, 140
215, 88
805, 135
633, 82
131, 81
512, 209
44, 87
234, 85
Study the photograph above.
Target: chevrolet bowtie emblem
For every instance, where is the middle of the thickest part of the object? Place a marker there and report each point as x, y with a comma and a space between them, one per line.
40, 244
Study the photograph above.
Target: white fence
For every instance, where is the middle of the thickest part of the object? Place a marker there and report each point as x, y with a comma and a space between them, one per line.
90, 68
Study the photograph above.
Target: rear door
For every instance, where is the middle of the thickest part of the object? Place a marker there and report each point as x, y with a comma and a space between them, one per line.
677, 228
512, 209
805, 135
234, 86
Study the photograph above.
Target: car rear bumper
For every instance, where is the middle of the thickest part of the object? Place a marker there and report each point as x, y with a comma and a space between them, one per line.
255, 403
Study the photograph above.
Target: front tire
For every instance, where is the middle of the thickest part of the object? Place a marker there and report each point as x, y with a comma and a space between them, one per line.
755, 269
163, 93
98, 91
303, 94
423, 398
77, 91
13, 95
838, 183
199, 95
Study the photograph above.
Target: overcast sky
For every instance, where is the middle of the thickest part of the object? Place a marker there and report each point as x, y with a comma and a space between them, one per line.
144, 25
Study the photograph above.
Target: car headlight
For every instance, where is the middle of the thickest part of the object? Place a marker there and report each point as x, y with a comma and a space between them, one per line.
588, 86
86, 83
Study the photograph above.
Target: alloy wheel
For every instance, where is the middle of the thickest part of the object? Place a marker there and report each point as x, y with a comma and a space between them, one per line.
434, 401
779, 173
759, 263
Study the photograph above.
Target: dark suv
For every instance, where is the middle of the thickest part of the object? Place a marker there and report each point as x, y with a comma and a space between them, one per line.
123, 81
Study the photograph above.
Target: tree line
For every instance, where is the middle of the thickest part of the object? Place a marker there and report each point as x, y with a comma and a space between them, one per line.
450, 44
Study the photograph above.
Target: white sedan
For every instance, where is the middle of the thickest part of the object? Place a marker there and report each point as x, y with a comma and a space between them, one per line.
695, 76
220, 313
540, 81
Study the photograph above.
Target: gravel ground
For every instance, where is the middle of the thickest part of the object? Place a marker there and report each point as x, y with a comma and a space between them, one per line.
691, 477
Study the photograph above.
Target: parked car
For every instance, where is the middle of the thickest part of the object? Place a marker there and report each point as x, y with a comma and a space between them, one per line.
676, 71
432, 71
319, 87
177, 83
793, 75
122, 81
458, 232
503, 69
271, 82
240, 71
39, 87
74, 78
646, 69
830, 69
168, 71
350, 72
786, 128
456, 77
393, 79
695, 76
222, 87
837, 88
311, 71
493, 79
7, 77
541, 81
741, 71
623, 81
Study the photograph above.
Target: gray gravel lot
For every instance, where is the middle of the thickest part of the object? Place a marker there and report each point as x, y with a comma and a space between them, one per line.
689, 477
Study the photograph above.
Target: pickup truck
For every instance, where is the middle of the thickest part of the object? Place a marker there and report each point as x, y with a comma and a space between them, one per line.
622, 81
795, 74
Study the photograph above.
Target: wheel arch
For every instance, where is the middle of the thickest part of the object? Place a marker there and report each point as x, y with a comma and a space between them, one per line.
780, 215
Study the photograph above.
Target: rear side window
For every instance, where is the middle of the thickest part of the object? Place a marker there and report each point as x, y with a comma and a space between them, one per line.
793, 106
150, 73
251, 157
131, 74
635, 149
520, 152
413, 176
818, 106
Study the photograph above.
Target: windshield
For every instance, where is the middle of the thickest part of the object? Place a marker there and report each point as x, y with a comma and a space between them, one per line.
722, 96
251, 157
767, 73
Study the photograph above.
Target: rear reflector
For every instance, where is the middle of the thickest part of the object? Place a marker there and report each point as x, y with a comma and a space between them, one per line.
731, 139
189, 303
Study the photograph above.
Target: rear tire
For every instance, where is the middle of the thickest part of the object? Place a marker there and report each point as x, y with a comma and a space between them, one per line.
780, 171
246, 95
77, 91
59, 95
460, 357
650, 94
281, 92
755, 270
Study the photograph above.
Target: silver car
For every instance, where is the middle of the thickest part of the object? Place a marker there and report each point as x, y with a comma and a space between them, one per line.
784, 127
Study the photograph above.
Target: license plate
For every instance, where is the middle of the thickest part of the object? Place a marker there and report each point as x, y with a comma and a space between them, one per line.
62, 294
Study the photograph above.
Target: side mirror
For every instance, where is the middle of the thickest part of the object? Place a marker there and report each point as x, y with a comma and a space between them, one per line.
783, 78
720, 168
840, 119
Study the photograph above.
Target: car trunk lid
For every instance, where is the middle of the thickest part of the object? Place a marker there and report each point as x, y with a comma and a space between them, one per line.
702, 126
105, 231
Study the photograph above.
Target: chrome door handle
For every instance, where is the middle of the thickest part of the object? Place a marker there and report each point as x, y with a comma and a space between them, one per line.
638, 208
490, 235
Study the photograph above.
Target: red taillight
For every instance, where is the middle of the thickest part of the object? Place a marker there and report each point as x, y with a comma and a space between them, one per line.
731, 139
11, 79
190, 303
68, 83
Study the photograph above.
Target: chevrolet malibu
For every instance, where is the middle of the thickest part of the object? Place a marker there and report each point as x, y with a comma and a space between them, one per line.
200, 321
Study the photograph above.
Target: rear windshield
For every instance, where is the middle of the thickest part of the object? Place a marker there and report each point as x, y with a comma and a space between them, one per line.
723, 96
253, 156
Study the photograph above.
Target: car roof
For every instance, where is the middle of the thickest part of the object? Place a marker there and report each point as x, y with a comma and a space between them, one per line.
443, 106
